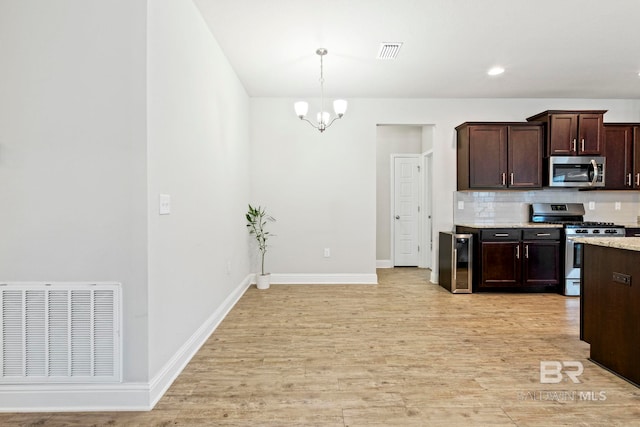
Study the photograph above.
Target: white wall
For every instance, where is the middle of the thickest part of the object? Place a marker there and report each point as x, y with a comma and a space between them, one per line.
73, 150
322, 186
104, 105
427, 138
198, 121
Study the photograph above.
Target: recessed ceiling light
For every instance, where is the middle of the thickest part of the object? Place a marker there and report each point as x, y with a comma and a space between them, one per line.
495, 71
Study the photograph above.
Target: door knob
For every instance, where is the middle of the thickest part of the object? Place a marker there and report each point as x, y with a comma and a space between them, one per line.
397, 216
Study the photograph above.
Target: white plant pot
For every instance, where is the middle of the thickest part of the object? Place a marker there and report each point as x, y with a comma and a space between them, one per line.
263, 280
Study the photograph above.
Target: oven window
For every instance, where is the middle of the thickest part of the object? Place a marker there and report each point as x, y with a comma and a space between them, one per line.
577, 255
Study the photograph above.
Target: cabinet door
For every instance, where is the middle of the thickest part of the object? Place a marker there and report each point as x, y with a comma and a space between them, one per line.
590, 134
618, 142
563, 136
487, 156
501, 264
525, 157
541, 263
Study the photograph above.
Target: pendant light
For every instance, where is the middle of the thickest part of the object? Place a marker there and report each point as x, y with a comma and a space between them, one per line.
324, 119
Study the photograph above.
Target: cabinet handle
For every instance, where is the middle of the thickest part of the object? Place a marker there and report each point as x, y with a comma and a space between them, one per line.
454, 265
574, 144
629, 180
582, 145
543, 234
511, 178
518, 252
595, 172
500, 234
638, 180
526, 251
504, 179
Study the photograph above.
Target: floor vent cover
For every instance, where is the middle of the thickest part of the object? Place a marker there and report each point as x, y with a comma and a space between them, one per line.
60, 333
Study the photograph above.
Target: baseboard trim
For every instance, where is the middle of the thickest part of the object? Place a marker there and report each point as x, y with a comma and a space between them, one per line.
434, 277
384, 263
324, 279
161, 382
74, 397
115, 397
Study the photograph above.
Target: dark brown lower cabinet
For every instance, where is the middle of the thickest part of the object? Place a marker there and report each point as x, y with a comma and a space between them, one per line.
501, 265
519, 260
541, 263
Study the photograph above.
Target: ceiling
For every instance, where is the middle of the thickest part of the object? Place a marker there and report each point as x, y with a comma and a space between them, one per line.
549, 48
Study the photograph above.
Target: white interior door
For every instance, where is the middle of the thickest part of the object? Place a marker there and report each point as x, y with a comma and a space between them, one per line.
406, 211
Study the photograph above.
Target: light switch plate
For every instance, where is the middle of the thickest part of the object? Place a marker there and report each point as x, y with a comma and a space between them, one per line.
460, 205
165, 204
592, 206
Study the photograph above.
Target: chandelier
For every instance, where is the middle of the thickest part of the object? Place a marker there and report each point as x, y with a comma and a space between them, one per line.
324, 118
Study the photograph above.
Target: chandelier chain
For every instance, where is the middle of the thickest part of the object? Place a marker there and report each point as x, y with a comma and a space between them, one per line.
321, 90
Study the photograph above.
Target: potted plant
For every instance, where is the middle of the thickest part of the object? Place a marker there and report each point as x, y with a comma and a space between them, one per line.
257, 219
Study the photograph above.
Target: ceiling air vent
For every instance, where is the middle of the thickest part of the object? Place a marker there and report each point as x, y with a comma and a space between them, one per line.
389, 50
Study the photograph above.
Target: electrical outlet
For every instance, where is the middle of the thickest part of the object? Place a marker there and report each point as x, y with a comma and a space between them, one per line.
461, 205
617, 206
165, 204
592, 206
327, 252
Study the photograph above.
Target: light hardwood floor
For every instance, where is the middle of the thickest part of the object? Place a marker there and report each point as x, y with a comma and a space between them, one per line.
403, 353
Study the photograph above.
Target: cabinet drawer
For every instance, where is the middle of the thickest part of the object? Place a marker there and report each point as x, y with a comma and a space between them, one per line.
541, 234
632, 232
500, 234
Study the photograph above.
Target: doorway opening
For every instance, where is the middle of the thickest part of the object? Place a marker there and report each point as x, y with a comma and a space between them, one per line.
403, 191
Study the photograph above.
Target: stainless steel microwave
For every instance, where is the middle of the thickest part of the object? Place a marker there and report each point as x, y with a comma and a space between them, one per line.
577, 171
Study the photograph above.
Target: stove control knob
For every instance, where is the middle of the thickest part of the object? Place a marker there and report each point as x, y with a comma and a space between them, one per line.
596, 231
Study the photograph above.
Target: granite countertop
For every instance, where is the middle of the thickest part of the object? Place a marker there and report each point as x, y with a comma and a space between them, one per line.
629, 243
511, 225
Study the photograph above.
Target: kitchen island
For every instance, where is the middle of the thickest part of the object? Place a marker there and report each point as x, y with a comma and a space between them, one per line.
610, 304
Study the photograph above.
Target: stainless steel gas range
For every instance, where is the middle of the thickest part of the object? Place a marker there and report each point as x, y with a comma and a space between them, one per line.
571, 217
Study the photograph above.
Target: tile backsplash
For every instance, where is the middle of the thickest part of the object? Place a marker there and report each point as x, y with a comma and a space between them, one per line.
496, 207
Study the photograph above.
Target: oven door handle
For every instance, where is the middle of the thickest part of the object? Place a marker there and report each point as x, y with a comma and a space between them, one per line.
595, 173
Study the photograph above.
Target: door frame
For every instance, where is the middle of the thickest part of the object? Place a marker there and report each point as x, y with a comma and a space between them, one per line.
426, 202
392, 180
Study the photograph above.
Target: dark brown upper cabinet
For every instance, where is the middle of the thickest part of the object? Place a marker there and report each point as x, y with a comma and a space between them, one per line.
499, 155
622, 151
572, 133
